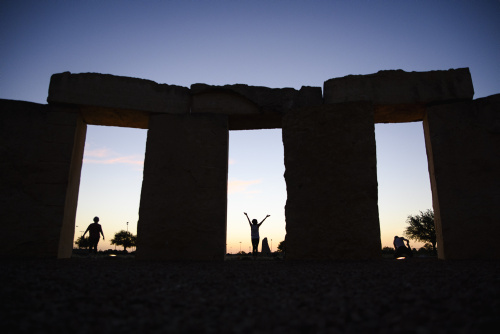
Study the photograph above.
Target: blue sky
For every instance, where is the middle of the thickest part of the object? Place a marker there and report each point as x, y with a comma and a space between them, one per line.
266, 43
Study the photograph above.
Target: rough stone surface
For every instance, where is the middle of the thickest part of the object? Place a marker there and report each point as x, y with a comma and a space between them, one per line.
252, 107
463, 149
398, 96
331, 178
399, 113
115, 117
183, 204
329, 159
115, 92
40, 173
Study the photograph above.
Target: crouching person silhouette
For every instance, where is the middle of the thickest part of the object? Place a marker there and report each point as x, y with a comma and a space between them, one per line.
401, 249
254, 227
94, 230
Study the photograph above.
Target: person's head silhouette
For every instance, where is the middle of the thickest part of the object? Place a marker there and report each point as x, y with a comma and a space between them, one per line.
96, 219
254, 221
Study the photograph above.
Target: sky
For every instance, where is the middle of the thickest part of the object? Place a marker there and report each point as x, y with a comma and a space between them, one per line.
271, 43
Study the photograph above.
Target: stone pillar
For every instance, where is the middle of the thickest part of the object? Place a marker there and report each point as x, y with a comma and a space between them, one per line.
463, 150
76, 134
331, 177
183, 206
40, 159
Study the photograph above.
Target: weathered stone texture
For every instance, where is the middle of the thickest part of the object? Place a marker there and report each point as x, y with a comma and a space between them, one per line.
183, 204
38, 153
115, 117
463, 149
330, 161
120, 95
331, 177
252, 107
400, 96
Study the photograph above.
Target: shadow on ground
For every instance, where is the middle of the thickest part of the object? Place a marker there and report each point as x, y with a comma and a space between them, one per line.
121, 294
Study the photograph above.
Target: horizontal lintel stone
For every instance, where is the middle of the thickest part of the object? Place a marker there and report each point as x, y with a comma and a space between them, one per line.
117, 92
252, 107
400, 96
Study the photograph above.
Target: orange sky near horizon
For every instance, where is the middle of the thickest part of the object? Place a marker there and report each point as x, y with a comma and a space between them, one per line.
117, 176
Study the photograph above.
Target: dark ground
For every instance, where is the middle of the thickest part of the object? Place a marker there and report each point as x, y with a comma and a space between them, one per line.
122, 295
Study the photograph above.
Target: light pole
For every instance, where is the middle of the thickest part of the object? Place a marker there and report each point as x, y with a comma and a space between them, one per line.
127, 226
240, 246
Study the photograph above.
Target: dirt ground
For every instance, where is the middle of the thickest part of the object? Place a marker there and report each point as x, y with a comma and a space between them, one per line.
122, 295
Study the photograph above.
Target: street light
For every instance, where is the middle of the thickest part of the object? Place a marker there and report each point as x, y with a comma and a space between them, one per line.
127, 226
240, 246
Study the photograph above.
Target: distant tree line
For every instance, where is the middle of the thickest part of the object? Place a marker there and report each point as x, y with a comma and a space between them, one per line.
420, 228
122, 238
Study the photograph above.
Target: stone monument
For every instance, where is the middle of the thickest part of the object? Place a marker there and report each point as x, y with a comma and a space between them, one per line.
330, 161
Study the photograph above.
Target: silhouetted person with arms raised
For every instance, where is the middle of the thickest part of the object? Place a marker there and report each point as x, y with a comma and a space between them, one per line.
401, 249
254, 226
94, 230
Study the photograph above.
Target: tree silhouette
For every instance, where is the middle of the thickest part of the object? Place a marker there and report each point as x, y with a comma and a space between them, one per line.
281, 247
82, 242
125, 239
421, 228
388, 250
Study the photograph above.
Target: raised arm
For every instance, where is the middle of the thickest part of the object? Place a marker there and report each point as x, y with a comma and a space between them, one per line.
248, 219
264, 219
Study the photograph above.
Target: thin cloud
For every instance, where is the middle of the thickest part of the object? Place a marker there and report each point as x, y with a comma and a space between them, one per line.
104, 156
130, 160
240, 186
98, 153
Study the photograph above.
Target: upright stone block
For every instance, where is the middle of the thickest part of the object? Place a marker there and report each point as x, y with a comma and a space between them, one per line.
463, 151
40, 158
183, 206
331, 178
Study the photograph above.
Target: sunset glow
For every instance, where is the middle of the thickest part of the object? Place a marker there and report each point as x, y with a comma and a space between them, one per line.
274, 44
